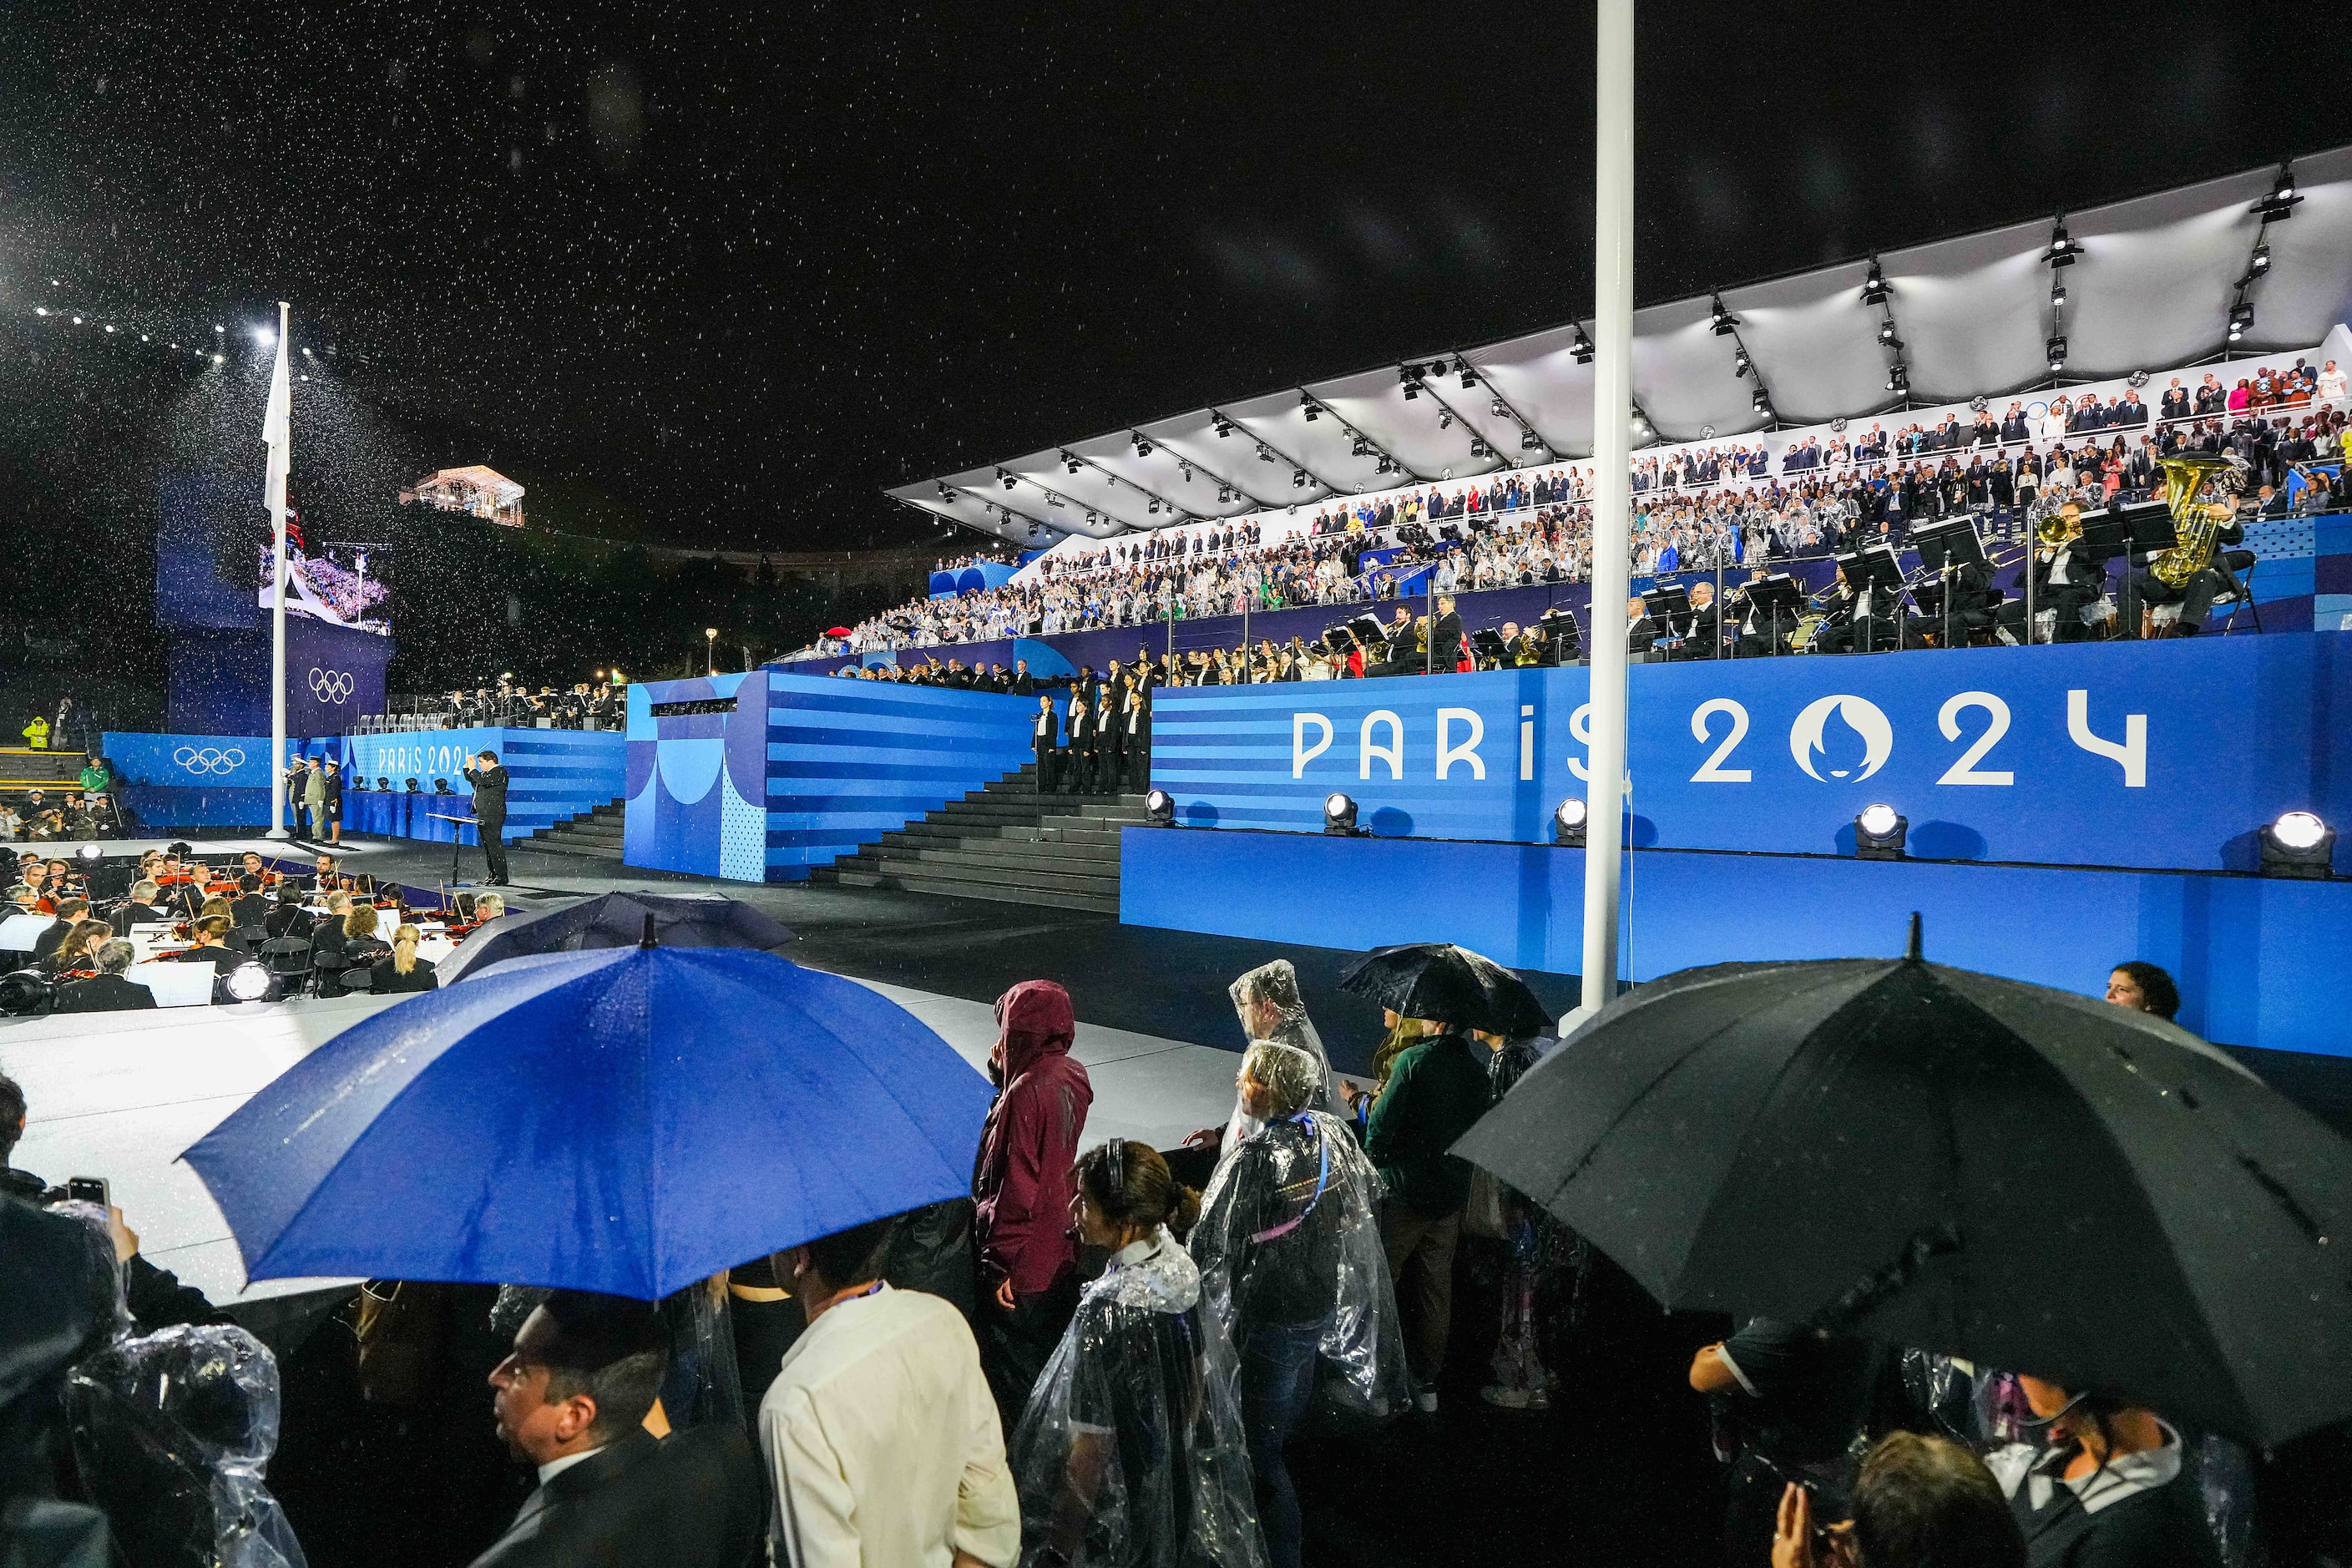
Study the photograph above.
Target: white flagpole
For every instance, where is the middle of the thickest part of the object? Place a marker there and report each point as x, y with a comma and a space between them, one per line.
1612, 400
276, 432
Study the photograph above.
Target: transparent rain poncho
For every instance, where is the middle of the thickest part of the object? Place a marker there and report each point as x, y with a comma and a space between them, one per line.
1131, 1451
171, 1433
1289, 1236
1275, 985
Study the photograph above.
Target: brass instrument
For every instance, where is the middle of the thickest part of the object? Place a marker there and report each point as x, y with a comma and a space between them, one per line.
2060, 525
2203, 493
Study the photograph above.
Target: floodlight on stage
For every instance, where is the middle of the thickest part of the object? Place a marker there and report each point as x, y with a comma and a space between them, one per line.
220, 359
1530, 441
110, 326
2057, 351
1740, 363
1879, 831
1445, 420
264, 336
1160, 809
1006, 479
2280, 205
1469, 376
1568, 823
2260, 262
1886, 330
2299, 845
1582, 349
2058, 292
1307, 407
40, 310
2062, 251
88, 852
1762, 401
248, 982
1340, 815
1899, 379
1721, 320
1873, 288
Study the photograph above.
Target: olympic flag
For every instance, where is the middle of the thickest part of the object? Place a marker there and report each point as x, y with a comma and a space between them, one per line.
278, 435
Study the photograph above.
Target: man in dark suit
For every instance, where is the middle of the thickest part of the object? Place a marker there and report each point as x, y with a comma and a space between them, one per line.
489, 782
70, 913
572, 1399
107, 991
1704, 640
1024, 683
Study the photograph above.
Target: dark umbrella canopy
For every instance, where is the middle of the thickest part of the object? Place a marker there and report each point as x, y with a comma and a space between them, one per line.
1938, 1158
616, 919
1450, 985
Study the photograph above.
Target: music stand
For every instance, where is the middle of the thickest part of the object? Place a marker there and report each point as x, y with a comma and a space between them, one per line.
2106, 534
1872, 569
1776, 596
1486, 645
1338, 640
1563, 642
2148, 531
1944, 549
457, 838
1663, 606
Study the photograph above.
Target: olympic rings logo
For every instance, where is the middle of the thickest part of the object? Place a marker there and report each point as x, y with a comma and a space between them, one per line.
206, 760
330, 686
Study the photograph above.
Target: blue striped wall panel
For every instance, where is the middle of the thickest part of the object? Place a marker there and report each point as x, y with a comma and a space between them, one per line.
801, 769
847, 762
554, 774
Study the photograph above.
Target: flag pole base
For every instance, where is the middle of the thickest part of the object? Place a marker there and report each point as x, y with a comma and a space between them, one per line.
278, 833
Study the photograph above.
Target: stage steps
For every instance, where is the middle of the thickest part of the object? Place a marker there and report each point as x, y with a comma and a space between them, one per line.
1004, 842
23, 768
594, 832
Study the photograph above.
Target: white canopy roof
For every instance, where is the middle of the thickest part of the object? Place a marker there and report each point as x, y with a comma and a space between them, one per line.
2152, 289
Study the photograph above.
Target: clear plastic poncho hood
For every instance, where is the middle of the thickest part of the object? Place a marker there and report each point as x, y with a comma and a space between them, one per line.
1289, 1235
171, 1431
1138, 1407
1277, 984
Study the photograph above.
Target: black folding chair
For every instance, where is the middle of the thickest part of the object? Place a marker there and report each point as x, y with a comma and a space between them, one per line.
287, 958
355, 980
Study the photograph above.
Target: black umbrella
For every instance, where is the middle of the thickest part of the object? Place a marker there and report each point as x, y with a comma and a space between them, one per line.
616, 919
1450, 985
1948, 1159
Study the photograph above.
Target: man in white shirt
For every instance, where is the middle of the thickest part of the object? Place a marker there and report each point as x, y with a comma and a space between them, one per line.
879, 1430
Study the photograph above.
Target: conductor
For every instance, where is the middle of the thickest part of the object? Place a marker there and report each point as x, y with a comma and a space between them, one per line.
489, 782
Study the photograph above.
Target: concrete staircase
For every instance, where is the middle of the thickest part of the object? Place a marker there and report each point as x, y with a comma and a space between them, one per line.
1004, 842
22, 768
595, 833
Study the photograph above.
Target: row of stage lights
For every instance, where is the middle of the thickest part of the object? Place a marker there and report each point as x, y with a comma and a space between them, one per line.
266, 337
2296, 845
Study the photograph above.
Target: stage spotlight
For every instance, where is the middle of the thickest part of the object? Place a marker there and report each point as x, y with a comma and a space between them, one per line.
218, 329
40, 310
1568, 823
1340, 816
248, 982
2062, 251
1224, 427
1411, 390
1899, 379
1741, 364
1762, 401
1307, 407
1160, 809
2057, 351
1469, 376
264, 336
2260, 262
88, 852
24, 992
2241, 319
2299, 845
1143, 448
1886, 332
1582, 349
1530, 441
220, 359
1006, 479
1437, 367
1879, 831
1299, 479
1873, 288
1069, 462
1445, 420
2280, 205
1721, 319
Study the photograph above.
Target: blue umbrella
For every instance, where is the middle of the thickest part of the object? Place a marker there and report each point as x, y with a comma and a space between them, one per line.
627, 1120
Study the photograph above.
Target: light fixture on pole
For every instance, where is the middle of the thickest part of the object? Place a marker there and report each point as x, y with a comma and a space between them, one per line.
710, 646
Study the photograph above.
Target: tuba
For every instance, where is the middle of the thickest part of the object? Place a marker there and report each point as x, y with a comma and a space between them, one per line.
2203, 493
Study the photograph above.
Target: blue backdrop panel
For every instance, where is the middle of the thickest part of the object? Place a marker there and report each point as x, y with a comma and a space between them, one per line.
2240, 946
196, 586
847, 762
2156, 755
802, 770
219, 681
697, 783
150, 807
554, 774
189, 761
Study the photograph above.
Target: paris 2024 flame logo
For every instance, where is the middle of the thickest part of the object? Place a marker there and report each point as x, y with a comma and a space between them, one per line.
1808, 741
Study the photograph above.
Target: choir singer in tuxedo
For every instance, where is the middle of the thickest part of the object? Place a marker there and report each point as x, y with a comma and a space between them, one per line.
1045, 741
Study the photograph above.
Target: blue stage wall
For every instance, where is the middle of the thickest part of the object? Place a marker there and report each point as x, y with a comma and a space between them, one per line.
802, 769
2159, 756
2248, 951
219, 681
554, 774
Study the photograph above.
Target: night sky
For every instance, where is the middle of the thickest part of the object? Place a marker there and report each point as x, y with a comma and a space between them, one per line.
719, 274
